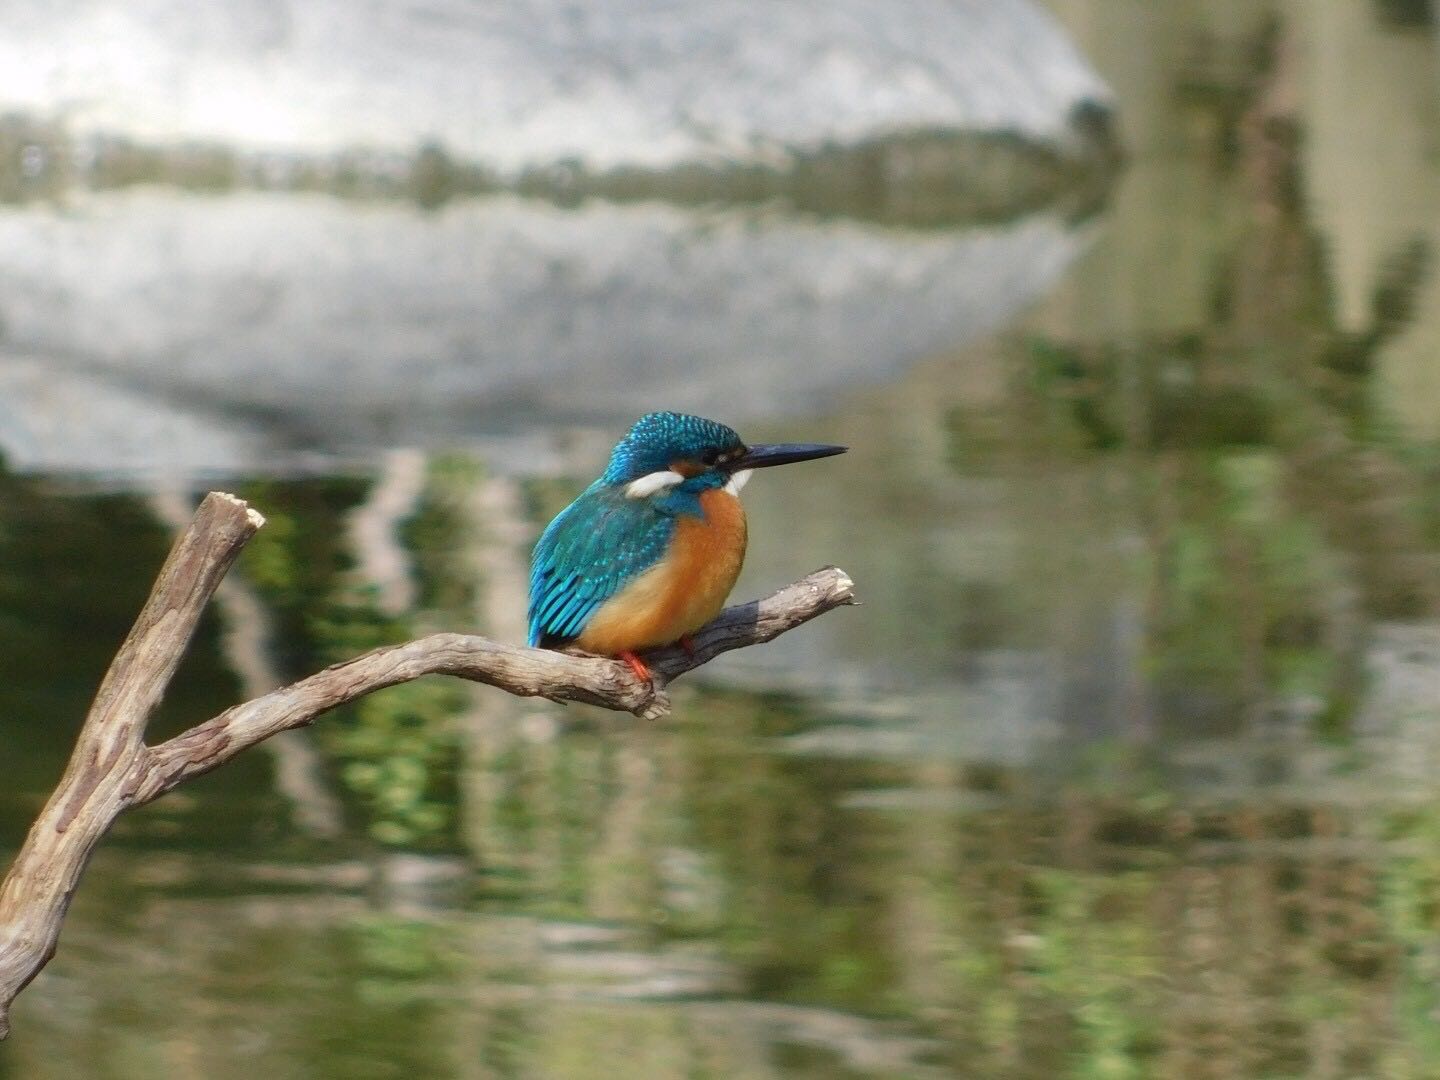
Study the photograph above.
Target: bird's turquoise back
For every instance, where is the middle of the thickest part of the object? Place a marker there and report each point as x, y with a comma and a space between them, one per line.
592, 549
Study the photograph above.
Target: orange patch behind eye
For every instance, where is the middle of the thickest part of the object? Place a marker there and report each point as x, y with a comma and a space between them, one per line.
687, 468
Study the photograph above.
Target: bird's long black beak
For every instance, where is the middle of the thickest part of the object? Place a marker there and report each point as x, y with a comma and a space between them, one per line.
762, 457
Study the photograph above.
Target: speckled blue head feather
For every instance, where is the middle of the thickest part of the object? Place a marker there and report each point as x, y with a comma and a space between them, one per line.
660, 438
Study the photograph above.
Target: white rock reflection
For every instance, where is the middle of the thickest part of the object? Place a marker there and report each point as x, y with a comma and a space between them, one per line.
244, 333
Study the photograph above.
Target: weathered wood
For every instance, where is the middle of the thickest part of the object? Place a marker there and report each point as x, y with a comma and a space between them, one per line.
112, 769
109, 756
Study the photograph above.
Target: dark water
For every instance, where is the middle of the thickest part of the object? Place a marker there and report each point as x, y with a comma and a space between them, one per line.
1126, 768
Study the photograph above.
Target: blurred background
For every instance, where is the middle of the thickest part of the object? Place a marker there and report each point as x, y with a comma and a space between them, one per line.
1130, 312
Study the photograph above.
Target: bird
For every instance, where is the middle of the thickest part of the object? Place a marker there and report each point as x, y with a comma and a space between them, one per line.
647, 554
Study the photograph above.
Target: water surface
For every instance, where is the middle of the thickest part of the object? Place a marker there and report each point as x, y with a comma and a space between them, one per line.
1126, 768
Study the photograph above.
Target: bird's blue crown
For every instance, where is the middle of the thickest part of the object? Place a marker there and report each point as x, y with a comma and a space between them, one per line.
660, 438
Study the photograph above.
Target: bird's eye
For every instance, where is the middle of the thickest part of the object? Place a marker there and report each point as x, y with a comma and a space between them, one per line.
710, 457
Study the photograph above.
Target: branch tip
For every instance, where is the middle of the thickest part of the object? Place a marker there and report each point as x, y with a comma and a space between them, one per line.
253, 517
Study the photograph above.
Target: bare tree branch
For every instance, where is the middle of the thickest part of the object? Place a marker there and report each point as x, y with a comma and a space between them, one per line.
112, 769
109, 756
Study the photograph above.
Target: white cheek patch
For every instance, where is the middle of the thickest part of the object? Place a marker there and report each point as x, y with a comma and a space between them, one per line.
650, 483
738, 480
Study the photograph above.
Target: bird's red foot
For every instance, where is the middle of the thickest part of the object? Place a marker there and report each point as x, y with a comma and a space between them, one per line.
637, 666
688, 644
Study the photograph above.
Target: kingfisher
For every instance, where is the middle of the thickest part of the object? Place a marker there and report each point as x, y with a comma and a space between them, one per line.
648, 553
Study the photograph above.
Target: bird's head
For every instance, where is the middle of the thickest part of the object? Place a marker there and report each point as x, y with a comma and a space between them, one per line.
665, 450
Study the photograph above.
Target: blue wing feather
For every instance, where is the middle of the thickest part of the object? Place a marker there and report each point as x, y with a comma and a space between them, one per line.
586, 555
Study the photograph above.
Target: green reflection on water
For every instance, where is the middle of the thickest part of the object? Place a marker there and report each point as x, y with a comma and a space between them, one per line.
916, 178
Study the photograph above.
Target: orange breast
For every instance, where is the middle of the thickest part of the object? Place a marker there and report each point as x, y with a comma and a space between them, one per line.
682, 592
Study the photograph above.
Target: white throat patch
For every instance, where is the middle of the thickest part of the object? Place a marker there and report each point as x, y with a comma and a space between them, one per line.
738, 480
650, 483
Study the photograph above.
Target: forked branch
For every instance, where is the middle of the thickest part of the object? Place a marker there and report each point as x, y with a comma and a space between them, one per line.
112, 769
